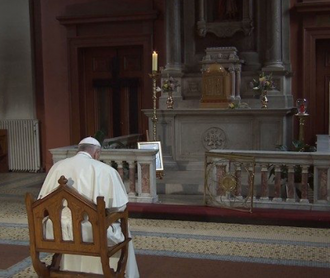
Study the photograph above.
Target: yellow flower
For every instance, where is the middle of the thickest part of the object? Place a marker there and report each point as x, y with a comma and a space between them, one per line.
231, 105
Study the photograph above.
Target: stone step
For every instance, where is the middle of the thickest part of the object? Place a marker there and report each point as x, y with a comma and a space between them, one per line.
181, 182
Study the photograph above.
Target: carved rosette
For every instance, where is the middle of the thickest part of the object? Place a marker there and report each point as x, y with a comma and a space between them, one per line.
214, 138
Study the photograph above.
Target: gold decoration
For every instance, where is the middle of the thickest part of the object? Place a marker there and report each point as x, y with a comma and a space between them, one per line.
216, 87
229, 183
264, 99
302, 119
154, 75
169, 86
223, 186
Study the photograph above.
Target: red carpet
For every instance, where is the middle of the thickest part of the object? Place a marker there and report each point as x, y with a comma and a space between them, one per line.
12, 254
297, 218
168, 267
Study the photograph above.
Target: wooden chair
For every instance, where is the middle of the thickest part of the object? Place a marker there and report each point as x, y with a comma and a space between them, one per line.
51, 206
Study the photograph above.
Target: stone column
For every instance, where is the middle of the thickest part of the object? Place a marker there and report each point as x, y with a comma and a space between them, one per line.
274, 35
231, 70
173, 36
173, 67
238, 82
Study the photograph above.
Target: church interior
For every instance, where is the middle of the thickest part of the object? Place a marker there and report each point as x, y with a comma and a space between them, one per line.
215, 113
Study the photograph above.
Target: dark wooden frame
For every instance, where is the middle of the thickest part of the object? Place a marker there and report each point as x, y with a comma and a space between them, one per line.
77, 42
311, 35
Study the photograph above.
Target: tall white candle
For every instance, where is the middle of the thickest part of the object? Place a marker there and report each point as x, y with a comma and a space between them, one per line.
154, 61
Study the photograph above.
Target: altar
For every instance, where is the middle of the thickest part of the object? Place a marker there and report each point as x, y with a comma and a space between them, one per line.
186, 134
201, 118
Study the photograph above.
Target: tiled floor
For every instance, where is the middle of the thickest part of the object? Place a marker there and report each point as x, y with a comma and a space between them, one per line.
186, 239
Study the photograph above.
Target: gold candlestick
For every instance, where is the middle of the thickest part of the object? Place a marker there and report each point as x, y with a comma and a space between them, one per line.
154, 75
301, 104
302, 117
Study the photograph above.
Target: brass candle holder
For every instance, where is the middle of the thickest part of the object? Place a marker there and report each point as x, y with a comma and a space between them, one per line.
302, 118
302, 115
154, 75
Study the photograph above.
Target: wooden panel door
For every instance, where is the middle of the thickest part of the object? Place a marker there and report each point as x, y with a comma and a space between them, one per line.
111, 81
321, 101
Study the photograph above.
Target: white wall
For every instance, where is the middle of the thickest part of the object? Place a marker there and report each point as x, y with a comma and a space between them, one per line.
16, 86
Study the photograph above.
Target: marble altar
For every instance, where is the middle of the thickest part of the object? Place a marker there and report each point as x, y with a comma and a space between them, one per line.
186, 134
188, 130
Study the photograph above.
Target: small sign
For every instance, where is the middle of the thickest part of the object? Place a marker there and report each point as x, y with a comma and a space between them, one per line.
154, 145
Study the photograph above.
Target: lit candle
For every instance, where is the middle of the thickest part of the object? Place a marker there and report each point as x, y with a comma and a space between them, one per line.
154, 61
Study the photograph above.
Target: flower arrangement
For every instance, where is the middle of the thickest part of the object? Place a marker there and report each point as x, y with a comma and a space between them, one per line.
169, 85
235, 102
264, 82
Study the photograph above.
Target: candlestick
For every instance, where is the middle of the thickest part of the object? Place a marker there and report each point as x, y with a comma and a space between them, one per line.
301, 104
154, 61
154, 75
302, 117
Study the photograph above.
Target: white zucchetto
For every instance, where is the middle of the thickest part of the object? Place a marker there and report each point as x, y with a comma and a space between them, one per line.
89, 141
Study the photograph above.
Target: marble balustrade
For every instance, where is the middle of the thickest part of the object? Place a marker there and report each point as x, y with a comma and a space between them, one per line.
275, 173
129, 162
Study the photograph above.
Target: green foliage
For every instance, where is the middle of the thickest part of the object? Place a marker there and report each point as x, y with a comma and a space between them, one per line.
298, 146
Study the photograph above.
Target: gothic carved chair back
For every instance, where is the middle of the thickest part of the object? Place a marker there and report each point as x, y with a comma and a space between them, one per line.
81, 209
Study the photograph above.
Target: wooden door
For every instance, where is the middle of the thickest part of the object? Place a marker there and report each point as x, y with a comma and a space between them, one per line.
111, 82
321, 100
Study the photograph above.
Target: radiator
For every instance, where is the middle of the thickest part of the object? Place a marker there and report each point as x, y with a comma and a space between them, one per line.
23, 144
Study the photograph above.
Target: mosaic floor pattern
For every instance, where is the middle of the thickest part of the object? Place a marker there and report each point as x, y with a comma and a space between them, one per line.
185, 239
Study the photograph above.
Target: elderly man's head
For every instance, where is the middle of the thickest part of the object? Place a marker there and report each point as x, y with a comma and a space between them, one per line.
91, 146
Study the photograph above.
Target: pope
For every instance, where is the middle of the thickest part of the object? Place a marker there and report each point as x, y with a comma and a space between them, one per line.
91, 178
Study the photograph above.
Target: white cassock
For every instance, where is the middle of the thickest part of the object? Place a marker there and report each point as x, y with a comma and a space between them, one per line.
91, 178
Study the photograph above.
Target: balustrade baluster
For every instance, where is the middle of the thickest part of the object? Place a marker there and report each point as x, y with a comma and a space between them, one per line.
278, 185
264, 183
120, 169
145, 178
132, 167
220, 172
290, 185
238, 175
250, 182
322, 185
304, 184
